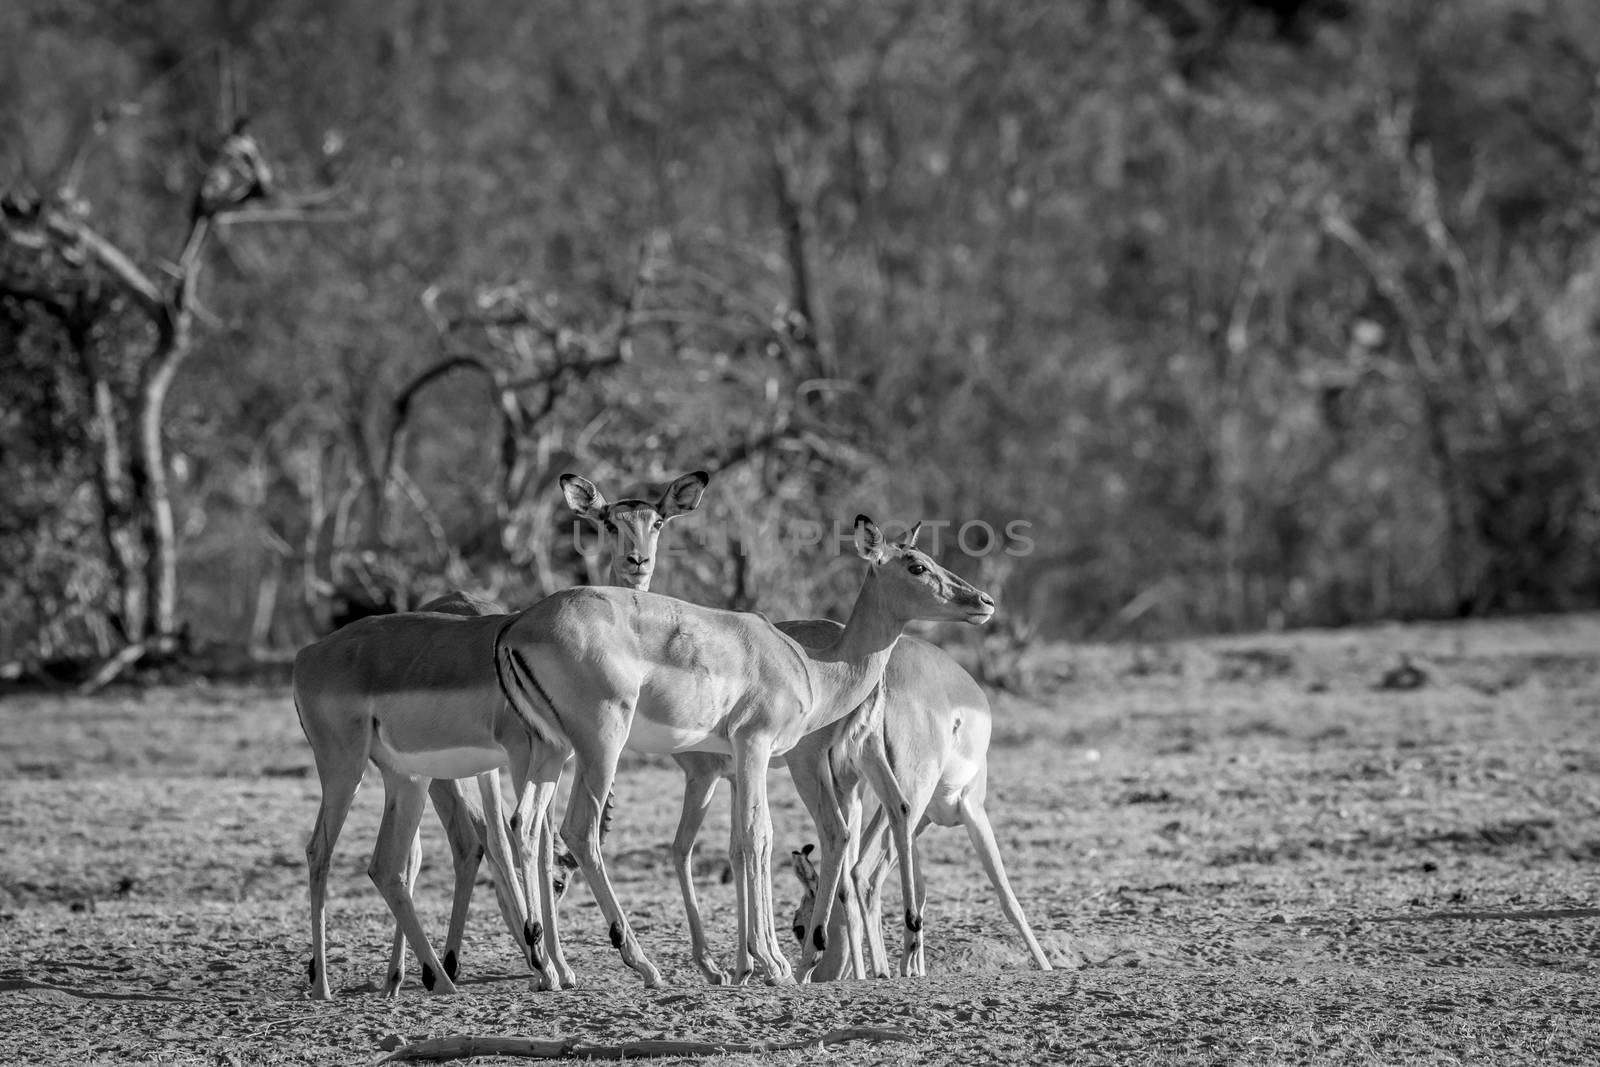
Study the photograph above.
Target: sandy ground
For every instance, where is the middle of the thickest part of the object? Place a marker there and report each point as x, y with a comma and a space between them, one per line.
1240, 850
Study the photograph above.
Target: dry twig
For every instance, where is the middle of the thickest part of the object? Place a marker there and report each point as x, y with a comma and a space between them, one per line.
465, 1046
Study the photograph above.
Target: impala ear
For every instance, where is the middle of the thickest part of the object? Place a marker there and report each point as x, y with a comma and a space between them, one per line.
683, 495
870, 543
803, 870
911, 538
582, 496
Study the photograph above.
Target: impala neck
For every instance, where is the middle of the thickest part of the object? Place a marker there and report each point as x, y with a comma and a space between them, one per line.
848, 669
613, 578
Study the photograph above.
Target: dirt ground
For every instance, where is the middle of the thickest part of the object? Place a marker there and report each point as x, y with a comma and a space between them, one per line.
1246, 850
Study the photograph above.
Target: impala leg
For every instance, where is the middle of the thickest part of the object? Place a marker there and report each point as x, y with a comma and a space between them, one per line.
464, 830
519, 905
563, 873
912, 945
896, 809
536, 812
822, 793
917, 965
581, 831
738, 864
395, 974
981, 834
844, 955
404, 796
750, 760
701, 772
339, 785
525, 828
521, 890
871, 868
808, 769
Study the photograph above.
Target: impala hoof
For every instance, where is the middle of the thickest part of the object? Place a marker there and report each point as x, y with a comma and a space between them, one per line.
712, 972
436, 983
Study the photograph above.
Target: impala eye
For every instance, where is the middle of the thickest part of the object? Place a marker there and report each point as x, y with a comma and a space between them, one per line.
917, 568
660, 523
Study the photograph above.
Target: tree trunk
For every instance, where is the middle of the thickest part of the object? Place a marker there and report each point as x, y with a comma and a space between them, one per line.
794, 217
174, 337
150, 467
111, 478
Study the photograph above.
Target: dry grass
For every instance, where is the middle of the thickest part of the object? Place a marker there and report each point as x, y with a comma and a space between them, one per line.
1240, 851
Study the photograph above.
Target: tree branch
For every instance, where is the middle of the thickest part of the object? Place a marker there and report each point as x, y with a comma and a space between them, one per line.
113, 260
464, 1046
281, 214
108, 672
402, 406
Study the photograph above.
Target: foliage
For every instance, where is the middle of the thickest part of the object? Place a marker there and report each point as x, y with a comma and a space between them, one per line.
1259, 314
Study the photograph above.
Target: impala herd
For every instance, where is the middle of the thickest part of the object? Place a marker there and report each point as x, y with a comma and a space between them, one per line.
460, 689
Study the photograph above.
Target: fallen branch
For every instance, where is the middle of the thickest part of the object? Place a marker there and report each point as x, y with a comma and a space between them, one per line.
464, 1046
112, 668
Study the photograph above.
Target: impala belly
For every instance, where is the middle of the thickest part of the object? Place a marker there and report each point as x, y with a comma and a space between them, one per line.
439, 734
441, 763
648, 735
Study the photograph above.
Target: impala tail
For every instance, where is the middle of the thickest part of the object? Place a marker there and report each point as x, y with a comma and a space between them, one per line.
528, 700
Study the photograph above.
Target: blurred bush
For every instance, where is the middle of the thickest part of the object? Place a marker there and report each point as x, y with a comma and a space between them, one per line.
1250, 314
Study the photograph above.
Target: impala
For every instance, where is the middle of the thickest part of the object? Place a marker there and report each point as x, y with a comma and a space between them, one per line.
609, 669
934, 734
923, 749
467, 829
417, 694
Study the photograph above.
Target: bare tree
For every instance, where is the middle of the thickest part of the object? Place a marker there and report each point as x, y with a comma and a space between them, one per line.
130, 327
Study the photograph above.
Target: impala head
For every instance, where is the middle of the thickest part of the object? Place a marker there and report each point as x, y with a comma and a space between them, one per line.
806, 873
913, 584
630, 529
